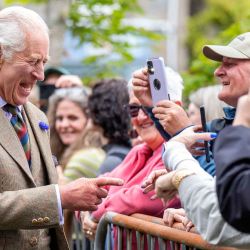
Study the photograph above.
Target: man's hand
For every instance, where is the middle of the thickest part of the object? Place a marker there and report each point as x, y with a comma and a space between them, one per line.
149, 183
86, 194
68, 81
172, 116
242, 114
89, 226
192, 139
141, 87
164, 188
172, 215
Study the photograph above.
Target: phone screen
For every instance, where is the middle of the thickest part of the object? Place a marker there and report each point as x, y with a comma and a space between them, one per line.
204, 128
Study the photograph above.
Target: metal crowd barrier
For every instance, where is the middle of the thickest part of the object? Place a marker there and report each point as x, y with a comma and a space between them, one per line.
79, 241
150, 228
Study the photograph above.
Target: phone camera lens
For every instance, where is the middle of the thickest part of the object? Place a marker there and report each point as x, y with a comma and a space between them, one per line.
157, 84
150, 67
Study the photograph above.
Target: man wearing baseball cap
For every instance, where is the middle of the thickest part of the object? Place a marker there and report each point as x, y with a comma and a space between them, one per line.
232, 146
234, 71
196, 188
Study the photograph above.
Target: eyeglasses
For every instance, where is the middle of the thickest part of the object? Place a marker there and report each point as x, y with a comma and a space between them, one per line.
133, 109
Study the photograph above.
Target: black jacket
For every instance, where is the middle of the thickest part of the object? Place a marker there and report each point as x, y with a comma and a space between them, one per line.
232, 157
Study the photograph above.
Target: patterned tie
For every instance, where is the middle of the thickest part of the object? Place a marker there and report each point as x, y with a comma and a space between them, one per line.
20, 128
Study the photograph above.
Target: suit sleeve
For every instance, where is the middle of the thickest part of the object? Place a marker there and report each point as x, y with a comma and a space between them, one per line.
29, 208
232, 157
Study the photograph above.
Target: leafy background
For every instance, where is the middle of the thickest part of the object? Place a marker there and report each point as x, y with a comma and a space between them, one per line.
217, 22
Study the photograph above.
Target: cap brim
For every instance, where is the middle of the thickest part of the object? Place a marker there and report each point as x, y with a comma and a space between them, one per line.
217, 52
54, 70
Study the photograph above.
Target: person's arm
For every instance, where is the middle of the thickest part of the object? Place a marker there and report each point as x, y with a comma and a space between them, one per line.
198, 196
29, 208
232, 156
209, 167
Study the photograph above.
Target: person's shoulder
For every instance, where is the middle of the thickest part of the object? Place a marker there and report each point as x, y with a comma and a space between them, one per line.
89, 153
30, 107
216, 125
117, 150
35, 112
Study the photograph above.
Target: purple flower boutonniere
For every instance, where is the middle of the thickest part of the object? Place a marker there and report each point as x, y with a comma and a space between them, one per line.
43, 126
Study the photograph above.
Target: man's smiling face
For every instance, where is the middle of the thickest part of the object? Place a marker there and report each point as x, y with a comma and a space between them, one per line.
234, 75
19, 74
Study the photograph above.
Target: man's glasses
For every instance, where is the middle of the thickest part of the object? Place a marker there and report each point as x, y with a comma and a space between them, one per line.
133, 109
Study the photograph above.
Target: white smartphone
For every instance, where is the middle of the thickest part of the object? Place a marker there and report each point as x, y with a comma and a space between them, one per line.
157, 79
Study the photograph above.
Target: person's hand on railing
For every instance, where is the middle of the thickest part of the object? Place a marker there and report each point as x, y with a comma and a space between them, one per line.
172, 215
193, 139
141, 87
149, 183
89, 226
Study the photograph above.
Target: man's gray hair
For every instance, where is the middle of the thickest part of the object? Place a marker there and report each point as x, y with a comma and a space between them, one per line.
15, 23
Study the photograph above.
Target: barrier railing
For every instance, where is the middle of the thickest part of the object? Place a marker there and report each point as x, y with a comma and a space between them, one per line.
150, 228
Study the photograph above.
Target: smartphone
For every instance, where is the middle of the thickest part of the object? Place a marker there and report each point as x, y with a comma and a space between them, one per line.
157, 79
204, 128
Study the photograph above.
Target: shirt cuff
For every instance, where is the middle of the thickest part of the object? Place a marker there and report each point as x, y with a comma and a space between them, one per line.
176, 157
59, 205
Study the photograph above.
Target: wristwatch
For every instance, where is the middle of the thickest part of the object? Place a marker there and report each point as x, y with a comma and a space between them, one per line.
180, 175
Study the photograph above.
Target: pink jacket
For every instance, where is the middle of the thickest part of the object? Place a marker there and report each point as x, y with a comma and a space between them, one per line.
129, 198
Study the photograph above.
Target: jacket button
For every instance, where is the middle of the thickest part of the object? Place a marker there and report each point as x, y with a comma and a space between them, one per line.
34, 221
46, 219
33, 241
40, 220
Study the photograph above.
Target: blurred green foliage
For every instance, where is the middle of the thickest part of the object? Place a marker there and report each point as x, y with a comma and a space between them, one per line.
101, 23
218, 23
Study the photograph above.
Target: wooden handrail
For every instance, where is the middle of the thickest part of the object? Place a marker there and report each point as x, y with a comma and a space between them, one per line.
157, 220
155, 227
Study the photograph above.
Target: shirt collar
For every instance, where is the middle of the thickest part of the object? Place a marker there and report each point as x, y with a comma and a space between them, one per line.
3, 102
229, 112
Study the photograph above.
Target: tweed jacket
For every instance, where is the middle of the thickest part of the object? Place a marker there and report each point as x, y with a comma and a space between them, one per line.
28, 202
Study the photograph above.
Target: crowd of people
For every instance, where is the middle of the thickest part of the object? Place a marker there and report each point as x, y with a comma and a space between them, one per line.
69, 150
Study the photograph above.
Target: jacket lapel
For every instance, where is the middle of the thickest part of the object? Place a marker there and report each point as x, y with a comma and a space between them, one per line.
10, 142
42, 140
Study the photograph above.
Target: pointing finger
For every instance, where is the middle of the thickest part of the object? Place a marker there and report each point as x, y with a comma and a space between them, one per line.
103, 181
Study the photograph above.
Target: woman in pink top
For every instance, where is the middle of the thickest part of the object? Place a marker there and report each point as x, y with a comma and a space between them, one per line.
138, 164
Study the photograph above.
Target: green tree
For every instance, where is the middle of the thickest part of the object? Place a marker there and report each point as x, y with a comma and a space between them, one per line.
217, 23
101, 23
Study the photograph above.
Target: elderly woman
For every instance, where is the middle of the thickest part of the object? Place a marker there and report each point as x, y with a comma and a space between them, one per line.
138, 164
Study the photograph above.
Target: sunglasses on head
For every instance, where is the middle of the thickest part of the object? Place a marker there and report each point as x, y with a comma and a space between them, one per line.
133, 109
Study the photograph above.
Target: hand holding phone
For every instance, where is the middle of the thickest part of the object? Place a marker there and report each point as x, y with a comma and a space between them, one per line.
204, 128
157, 79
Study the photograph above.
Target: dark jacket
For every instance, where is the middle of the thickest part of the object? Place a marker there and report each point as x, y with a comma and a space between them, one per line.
232, 157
